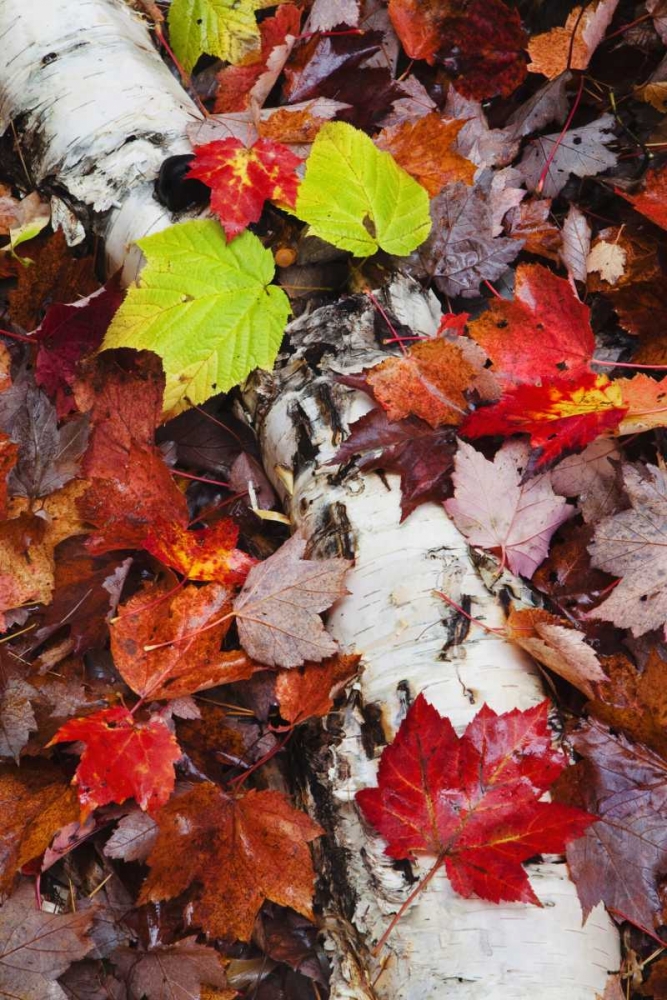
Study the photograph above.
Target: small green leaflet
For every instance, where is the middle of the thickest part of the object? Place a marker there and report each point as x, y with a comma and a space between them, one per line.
358, 198
206, 307
223, 28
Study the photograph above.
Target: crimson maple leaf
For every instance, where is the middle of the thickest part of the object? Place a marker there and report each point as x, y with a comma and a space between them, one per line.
122, 759
561, 415
474, 800
242, 179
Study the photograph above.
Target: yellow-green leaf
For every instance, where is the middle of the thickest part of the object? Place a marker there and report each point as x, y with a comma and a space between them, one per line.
206, 307
223, 28
358, 198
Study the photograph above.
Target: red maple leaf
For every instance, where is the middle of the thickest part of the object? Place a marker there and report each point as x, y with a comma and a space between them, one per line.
543, 329
241, 179
122, 759
474, 800
561, 415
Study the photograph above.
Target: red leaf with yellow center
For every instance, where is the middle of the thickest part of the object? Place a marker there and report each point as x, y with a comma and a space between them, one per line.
208, 554
473, 801
242, 179
560, 415
122, 759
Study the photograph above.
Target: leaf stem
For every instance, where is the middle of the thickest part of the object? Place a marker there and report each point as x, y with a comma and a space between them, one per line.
413, 895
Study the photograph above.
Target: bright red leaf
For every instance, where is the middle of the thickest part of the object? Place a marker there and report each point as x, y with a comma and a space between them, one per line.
208, 554
122, 759
242, 179
561, 415
652, 200
473, 801
544, 328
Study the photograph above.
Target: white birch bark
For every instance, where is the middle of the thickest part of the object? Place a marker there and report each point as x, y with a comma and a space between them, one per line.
96, 112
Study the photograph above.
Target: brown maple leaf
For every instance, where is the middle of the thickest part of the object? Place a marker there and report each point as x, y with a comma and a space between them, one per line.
278, 610
178, 970
37, 947
241, 851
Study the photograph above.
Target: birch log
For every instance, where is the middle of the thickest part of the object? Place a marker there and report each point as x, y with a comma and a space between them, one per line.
96, 111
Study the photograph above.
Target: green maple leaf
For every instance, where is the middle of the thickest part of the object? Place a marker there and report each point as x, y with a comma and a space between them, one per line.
223, 28
206, 307
358, 198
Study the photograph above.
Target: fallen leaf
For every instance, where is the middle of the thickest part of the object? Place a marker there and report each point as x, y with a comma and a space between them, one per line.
422, 456
357, 197
576, 244
17, 717
621, 859
608, 260
122, 759
428, 381
223, 28
37, 947
244, 85
240, 850
207, 307
206, 554
473, 801
424, 149
278, 610
310, 690
495, 510
572, 46
553, 642
158, 614
66, 335
545, 328
592, 477
134, 837
549, 160
242, 180
55, 275
482, 47
36, 802
631, 545
650, 201
178, 970
634, 701
548, 104
461, 251
646, 400
560, 415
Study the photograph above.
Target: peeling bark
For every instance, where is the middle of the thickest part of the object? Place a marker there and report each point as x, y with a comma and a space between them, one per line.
96, 112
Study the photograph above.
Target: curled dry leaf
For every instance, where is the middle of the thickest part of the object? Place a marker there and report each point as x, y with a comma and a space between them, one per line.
553, 642
278, 610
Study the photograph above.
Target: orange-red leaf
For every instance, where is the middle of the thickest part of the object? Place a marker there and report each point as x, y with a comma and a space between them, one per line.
208, 554
424, 149
154, 616
122, 759
240, 851
560, 415
242, 179
310, 689
652, 200
544, 328
429, 381
473, 801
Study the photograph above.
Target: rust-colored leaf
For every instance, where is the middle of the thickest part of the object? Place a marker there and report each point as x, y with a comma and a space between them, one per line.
240, 851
